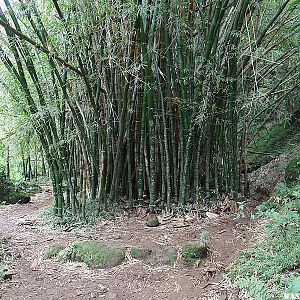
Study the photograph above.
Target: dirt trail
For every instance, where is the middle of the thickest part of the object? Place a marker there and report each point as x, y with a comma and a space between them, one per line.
38, 279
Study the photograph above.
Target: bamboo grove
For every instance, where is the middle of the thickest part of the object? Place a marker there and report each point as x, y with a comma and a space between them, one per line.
141, 98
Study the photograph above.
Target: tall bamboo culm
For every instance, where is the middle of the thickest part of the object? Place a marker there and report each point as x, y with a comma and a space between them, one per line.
132, 99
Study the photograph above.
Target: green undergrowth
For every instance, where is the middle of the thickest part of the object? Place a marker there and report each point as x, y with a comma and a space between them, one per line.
95, 254
292, 171
271, 266
280, 138
48, 219
30, 187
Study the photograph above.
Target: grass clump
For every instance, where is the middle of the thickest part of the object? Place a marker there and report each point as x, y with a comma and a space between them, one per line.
193, 252
52, 251
3, 270
270, 266
71, 222
140, 253
94, 254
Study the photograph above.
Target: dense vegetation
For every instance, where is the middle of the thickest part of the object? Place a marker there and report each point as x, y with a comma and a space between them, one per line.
271, 265
162, 103
149, 100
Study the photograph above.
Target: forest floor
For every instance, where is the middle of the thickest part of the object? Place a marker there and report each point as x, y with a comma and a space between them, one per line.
40, 279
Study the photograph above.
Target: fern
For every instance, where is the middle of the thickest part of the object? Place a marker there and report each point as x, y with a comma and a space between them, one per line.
255, 288
273, 262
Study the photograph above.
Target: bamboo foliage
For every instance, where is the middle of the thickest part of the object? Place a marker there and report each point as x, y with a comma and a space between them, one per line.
135, 99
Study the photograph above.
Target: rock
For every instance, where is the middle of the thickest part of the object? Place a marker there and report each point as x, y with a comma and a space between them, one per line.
102, 289
152, 221
117, 236
24, 222
96, 254
295, 285
140, 253
170, 256
11, 194
20, 198
193, 252
111, 295
24, 199
189, 219
211, 215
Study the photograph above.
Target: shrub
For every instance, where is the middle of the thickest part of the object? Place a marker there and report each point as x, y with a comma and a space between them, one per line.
267, 269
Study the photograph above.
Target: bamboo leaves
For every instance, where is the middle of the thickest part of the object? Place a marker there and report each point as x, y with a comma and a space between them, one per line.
147, 95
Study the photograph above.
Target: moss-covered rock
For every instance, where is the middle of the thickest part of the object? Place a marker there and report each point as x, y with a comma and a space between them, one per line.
10, 194
140, 253
292, 171
152, 221
52, 251
193, 252
17, 196
170, 257
96, 254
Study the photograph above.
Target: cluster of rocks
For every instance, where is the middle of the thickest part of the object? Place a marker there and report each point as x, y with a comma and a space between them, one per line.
104, 254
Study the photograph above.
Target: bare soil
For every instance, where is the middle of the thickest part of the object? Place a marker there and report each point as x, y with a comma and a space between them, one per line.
40, 279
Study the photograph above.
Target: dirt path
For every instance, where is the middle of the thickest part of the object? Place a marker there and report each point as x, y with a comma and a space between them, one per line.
40, 279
